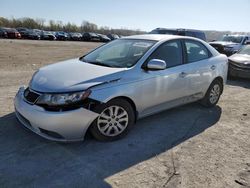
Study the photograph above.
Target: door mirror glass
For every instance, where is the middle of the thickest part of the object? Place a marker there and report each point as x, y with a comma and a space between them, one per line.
156, 64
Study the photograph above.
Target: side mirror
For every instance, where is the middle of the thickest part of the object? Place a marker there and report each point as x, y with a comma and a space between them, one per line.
156, 64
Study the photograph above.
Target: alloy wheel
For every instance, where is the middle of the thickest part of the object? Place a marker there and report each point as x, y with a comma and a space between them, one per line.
215, 94
112, 121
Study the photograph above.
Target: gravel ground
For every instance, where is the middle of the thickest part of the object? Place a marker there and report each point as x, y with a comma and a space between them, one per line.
189, 146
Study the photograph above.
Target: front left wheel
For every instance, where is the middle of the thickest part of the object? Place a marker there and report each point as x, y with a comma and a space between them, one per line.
114, 121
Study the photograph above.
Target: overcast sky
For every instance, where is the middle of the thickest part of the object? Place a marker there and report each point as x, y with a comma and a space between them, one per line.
145, 15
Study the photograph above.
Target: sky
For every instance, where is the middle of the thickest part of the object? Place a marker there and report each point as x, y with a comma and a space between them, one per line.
220, 15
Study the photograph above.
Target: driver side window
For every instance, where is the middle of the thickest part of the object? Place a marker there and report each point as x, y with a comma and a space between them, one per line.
170, 52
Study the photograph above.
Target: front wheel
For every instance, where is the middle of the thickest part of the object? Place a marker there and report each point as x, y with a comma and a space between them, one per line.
114, 121
213, 94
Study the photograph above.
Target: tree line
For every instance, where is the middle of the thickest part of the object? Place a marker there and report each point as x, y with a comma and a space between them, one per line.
53, 25
87, 27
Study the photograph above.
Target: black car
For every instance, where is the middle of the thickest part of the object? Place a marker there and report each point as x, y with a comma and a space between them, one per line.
47, 35
61, 35
183, 32
90, 37
103, 38
3, 33
28, 34
113, 36
22, 29
239, 63
75, 36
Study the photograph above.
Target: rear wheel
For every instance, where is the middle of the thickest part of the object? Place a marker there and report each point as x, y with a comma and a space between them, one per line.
213, 94
115, 120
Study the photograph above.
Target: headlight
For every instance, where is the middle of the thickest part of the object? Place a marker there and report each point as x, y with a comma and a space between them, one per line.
247, 63
63, 99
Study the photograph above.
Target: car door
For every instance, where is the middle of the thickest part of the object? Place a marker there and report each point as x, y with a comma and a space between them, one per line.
199, 67
162, 89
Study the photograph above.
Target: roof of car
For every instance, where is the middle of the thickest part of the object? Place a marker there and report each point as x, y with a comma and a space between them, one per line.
157, 37
178, 29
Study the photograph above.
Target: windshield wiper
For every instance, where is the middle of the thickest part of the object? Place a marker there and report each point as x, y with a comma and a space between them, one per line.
97, 63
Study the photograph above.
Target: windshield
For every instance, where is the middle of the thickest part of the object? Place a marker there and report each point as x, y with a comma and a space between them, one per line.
121, 53
245, 50
234, 39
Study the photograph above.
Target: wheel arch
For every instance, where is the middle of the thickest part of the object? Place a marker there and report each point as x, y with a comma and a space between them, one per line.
130, 101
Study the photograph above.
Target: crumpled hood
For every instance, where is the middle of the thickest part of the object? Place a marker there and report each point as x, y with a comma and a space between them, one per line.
224, 43
72, 75
240, 58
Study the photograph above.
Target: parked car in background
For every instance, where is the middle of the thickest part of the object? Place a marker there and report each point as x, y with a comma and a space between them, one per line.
38, 31
47, 35
88, 36
113, 36
75, 36
3, 33
19, 29
103, 38
106, 90
28, 34
61, 35
230, 44
12, 33
239, 63
183, 32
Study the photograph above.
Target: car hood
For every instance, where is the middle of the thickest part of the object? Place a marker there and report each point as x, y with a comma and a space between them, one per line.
240, 58
73, 75
224, 43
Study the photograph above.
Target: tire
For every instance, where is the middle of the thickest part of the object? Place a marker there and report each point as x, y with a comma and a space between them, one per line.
213, 94
114, 122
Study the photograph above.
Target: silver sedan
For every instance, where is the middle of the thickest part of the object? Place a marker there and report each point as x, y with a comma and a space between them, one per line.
108, 89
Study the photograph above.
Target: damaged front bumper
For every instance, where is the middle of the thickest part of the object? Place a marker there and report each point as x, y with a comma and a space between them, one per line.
57, 126
239, 70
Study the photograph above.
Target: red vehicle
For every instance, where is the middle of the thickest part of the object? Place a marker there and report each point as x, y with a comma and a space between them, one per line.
12, 33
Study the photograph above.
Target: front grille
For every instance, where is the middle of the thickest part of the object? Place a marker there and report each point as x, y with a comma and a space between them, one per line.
31, 96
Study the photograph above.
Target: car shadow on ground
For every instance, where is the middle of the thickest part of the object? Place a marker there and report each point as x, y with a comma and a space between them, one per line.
245, 83
28, 160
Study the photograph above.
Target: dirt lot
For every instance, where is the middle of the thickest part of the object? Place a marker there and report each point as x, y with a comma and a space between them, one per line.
187, 147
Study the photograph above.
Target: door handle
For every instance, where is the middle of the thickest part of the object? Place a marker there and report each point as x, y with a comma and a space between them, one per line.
213, 67
183, 74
